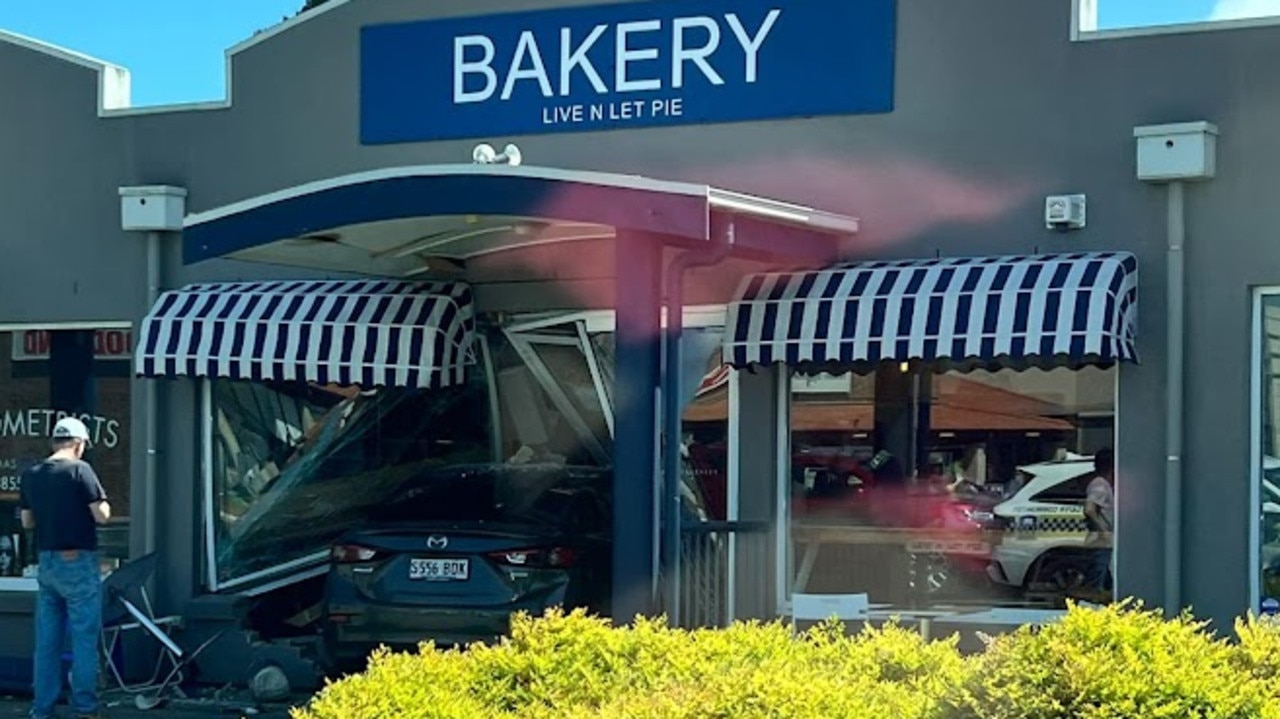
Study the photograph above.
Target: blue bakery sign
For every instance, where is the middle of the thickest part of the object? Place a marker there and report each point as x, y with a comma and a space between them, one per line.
637, 64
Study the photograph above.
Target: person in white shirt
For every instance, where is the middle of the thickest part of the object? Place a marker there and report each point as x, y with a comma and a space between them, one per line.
1100, 517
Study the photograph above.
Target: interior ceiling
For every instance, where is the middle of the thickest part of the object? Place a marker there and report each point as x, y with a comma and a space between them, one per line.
420, 246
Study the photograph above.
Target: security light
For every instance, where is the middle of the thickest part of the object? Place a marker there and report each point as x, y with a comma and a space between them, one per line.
484, 154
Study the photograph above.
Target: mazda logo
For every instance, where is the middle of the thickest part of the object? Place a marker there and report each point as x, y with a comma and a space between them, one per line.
437, 541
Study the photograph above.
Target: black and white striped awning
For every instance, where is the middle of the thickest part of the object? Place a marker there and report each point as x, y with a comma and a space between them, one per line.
367, 332
1046, 310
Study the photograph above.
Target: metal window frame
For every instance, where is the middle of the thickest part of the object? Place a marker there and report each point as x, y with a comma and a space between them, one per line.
1257, 327
64, 326
523, 343
595, 321
733, 494
206, 476
784, 547
597, 377
1084, 25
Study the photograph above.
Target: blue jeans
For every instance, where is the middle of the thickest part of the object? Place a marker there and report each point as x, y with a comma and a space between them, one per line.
69, 603
1099, 566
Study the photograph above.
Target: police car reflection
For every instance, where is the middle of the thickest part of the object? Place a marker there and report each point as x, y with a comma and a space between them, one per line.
1043, 545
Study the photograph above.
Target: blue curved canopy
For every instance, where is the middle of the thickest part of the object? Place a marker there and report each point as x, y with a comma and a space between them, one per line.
388, 222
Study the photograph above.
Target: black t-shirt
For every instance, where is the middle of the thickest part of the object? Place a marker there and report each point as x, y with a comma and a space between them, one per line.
58, 492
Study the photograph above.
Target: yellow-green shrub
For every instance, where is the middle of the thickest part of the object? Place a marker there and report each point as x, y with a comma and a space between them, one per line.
1119, 661
574, 666
1258, 655
1116, 663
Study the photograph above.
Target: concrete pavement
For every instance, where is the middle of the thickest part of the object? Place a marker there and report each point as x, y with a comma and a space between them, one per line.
119, 707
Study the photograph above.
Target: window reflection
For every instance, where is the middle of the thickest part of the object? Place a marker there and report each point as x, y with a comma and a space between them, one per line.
937, 489
704, 446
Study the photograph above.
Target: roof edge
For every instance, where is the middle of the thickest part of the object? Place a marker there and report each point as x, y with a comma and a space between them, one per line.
114, 83
356, 178
114, 86
717, 199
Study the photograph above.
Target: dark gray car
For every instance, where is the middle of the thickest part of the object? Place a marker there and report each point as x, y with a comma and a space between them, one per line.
454, 557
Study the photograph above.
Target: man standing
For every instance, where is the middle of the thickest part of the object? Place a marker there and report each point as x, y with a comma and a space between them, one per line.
1100, 516
63, 501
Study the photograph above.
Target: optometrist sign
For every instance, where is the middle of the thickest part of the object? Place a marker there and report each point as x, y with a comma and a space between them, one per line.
638, 64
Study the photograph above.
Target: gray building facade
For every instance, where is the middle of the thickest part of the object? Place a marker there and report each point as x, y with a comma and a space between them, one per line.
994, 106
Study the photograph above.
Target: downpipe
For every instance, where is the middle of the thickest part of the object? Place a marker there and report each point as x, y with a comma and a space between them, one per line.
149, 406
717, 250
1174, 396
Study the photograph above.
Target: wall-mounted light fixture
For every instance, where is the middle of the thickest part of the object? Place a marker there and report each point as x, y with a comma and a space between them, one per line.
484, 154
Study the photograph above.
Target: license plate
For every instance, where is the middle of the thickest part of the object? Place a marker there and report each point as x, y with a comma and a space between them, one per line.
440, 570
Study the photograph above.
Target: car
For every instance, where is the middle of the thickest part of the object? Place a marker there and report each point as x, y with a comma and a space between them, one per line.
452, 558
1042, 549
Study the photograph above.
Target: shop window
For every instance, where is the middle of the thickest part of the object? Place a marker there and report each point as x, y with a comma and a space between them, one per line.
46, 374
295, 465
947, 489
1267, 427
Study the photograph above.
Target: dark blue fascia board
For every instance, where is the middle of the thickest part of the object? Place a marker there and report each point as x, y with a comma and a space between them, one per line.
627, 209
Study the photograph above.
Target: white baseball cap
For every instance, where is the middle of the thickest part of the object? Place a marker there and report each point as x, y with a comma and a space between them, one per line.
71, 428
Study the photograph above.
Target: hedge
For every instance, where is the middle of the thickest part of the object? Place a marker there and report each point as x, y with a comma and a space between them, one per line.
1114, 662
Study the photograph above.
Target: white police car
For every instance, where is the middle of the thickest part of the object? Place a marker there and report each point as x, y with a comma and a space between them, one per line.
1042, 547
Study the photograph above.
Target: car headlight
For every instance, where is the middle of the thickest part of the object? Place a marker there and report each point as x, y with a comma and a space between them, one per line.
979, 515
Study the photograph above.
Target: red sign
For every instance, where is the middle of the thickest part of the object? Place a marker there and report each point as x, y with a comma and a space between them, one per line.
107, 345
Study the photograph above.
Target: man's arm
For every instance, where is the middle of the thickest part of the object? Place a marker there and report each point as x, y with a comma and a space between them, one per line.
97, 496
24, 504
1091, 509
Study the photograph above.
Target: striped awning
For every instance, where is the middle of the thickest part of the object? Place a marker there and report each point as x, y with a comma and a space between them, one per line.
1045, 310
368, 332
